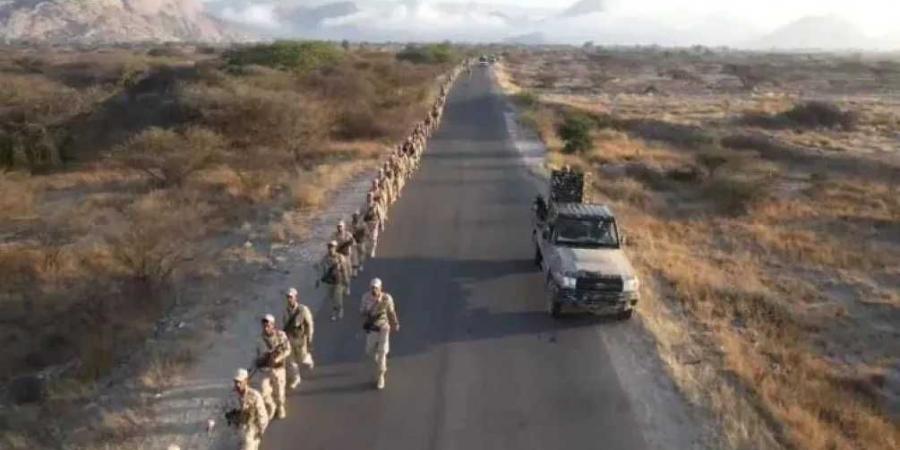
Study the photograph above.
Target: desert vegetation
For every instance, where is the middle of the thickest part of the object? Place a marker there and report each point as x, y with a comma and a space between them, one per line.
126, 172
761, 196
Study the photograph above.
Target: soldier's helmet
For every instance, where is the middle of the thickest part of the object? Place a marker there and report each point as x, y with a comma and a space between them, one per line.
375, 283
268, 318
292, 292
241, 375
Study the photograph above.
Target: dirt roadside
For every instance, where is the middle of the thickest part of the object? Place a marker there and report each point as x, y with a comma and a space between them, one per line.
182, 412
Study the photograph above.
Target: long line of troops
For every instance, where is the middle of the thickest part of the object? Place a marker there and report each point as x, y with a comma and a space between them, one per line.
348, 249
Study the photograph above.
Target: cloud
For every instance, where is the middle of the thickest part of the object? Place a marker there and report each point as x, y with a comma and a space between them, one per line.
261, 15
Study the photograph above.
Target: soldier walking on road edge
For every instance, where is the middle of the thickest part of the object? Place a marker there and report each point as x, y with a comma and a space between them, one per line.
379, 319
250, 416
299, 327
335, 274
271, 358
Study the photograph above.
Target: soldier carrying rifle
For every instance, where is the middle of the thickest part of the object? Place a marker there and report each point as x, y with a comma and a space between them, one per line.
271, 358
249, 416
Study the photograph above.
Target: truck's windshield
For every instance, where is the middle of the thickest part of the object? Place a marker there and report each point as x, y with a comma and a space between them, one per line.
587, 233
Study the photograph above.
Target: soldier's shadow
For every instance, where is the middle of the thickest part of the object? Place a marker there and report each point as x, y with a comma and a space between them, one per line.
458, 302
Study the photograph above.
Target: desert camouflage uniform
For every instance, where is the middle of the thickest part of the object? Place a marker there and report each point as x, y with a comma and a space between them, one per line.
299, 327
347, 246
274, 382
253, 406
336, 290
374, 220
378, 342
361, 235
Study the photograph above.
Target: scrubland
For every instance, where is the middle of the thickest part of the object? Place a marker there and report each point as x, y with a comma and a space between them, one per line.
127, 174
761, 197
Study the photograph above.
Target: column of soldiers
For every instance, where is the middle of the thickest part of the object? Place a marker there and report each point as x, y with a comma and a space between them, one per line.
350, 246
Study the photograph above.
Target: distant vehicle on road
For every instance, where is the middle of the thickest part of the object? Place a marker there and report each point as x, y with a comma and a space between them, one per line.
579, 249
483, 60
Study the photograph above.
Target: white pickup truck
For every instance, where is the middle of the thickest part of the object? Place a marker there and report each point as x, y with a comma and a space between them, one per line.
579, 249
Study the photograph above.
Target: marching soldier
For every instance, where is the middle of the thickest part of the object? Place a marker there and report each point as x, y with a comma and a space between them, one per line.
379, 318
361, 235
250, 416
346, 245
336, 276
374, 219
271, 357
299, 327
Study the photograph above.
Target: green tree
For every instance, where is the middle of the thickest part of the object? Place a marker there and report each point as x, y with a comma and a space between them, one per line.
286, 55
575, 131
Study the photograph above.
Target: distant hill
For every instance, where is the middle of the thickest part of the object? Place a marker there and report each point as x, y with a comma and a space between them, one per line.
110, 21
536, 38
815, 32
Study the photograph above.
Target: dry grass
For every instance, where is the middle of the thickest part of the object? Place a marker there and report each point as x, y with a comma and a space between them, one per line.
17, 196
740, 263
132, 172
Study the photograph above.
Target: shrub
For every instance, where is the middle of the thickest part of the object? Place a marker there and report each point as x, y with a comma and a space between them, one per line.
818, 114
736, 195
428, 54
169, 157
575, 131
526, 99
285, 55
359, 123
158, 237
686, 136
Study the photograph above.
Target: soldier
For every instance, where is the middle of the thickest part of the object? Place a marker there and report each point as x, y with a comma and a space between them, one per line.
379, 318
336, 276
380, 197
271, 357
299, 327
374, 219
250, 416
346, 245
361, 235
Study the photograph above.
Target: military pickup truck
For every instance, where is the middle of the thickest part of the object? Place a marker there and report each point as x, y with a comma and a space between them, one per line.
578, 247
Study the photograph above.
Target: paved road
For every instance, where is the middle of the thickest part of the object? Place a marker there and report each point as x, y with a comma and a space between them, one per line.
477, 364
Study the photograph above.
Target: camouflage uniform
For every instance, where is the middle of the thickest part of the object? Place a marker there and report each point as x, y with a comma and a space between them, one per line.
273, 385
361, 236
347, 247
253, 408
299, 327
381, 314
336, 266
374, 219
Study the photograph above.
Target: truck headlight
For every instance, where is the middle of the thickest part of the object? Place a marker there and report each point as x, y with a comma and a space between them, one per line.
568, 282
631, 284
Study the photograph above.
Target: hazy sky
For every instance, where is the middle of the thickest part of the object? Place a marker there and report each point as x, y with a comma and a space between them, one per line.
640, 21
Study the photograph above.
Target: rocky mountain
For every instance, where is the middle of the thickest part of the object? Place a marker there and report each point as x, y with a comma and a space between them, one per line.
110, 21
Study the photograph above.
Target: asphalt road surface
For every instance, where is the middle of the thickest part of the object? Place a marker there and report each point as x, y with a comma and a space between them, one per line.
478, 363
